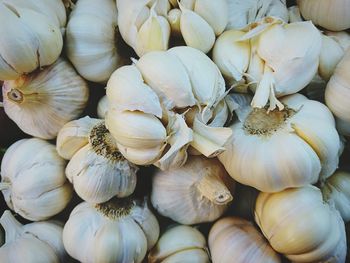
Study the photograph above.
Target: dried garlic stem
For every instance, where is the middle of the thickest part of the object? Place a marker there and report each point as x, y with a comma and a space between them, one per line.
15, 95
4, 186
215, 190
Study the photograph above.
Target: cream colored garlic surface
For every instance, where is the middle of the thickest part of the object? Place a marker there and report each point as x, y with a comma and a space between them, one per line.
40, 103
29, 40
337, 94
232, 239
33, 181
38, 242
121, 230
148, 25
300, 225
275, 150
200, 191
330, 14
102, 107
164, 103
96, 168
180, 243
92, 39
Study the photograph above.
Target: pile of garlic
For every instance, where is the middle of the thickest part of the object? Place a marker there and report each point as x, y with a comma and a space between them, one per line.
218, 131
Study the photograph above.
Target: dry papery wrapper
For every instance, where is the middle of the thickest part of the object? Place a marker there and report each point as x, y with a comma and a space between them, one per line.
329, 14
30, 35
102, 107
180, 243
337, 94
97, 169
167, 102
120, 230
236, 238
33, 181
34, 242
243, 13
200, 191
303, 133
92, 39
275, 58
40, 103
300, 225
147, 25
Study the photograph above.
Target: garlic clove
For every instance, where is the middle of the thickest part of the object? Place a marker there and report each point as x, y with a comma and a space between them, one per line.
173, 17
141, 156
189, 256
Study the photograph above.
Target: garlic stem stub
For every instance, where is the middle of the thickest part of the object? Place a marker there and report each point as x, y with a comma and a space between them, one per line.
40, 103
97, 169
120, 230
275, 141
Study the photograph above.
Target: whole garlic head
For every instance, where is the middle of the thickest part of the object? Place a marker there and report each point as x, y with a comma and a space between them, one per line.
180, 244
238, 239
300, 225
120, 230
40, 103
30, 40
34, 242
96, 168
303, 133
200, 191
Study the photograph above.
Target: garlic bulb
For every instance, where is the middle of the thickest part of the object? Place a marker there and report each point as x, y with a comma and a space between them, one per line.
298, 224
96, 168
180, 244
303, 133
235, 238
121, 230
30, 40
242, 13
34, 187
330, 14
102, 107
148, 25
337, 94
336, 192
42, 102
91, 39
164, 103
200, 191
34, 242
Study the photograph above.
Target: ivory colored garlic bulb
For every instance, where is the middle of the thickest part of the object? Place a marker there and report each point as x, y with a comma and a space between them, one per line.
180, 244
266, 145
32, 243
120, 230
300, 225
200, 191
97, 169
233, 238
33, 181
29, 40
40, 103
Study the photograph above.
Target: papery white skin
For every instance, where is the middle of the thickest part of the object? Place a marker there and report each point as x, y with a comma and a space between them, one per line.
102, 107
42, 102
238, 239
91, 236
300, 225
180, 244
33, 180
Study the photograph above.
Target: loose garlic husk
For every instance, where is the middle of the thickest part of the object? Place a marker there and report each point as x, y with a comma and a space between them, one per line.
336, 192
180, 244
337, 94
235, 238
121, 230
30, 40
275, 141
330, 14
33, 181
96, 168
34, 242
164, 103
300, 225
42, 102
91, 39
200, 191
102, 107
